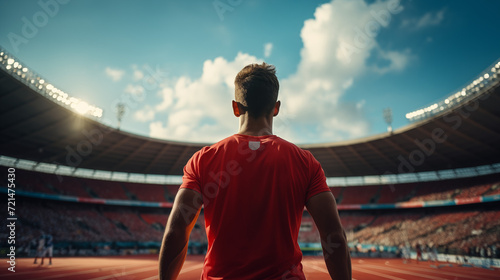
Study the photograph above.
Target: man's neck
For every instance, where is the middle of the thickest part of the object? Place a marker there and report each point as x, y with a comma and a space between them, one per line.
256, 127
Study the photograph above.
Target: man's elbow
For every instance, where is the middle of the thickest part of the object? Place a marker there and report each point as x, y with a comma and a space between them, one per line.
333, 241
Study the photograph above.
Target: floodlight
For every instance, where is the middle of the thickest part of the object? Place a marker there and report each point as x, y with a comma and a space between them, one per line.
82, 107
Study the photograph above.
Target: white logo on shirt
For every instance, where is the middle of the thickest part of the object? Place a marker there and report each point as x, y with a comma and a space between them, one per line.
254, 145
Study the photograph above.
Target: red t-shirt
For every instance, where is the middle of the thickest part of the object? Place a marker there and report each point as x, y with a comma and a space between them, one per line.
254, 191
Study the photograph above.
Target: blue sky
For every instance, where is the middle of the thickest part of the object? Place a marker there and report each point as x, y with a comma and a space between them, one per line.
172, 63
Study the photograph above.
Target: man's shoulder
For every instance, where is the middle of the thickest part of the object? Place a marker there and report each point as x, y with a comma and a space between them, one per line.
294, 147
222, 143
214, 147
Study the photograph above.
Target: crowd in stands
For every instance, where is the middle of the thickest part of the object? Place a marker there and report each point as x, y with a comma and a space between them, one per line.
453, 232
106, 190
412, 192
146, 192
464, 230
359, 195
87, 222
308, 232
91, 188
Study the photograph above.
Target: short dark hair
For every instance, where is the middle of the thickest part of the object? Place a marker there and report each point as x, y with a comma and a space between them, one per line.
256, 88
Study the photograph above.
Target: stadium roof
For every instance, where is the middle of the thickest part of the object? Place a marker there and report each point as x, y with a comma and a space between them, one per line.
36, 127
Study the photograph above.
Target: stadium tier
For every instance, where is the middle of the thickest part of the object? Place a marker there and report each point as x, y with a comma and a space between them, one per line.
111, 190
35, 182
359, 195
147, 192
95, 223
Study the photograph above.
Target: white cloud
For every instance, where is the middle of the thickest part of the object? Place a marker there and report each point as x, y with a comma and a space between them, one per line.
397, 61
114, 74
199, 110
144, 115
134, 89
268, 48
312, 109
347, 84
430, 19
167, 94
337, 43
137, 74
148, 113
427, 20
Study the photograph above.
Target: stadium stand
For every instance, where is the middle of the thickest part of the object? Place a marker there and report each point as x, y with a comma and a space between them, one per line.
146, 192
389, 194
360, 195
131, 222
85, 222
308, 231
109, 189
75, 222
71, 223
436, 191
67, 186
171, 191
455, 231
156, 220
32, 181
353, 221
495, 189
474, 191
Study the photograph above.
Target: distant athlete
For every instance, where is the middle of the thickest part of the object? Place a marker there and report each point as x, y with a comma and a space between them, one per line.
418, 249
254, 186
433, 254
48, 249
40, 247
406, 252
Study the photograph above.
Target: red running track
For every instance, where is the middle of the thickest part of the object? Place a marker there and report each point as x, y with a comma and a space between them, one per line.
146, 267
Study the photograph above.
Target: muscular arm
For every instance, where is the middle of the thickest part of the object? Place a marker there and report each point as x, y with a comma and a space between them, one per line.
175, 240
323, 209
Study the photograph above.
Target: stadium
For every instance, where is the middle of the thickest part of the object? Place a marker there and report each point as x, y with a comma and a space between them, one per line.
106, 193
104, 103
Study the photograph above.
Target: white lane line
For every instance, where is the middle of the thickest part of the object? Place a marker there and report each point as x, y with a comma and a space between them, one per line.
194, 267
52, 269
184, 270
318, 268
316, 264
478, 272
377, 274
391, 269
437, 271
123, 273
95, 270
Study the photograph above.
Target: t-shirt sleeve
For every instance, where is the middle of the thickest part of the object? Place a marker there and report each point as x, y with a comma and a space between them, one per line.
191, 177
318, 179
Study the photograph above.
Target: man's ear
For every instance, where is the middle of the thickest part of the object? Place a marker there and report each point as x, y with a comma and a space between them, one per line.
236, 109
276, 108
